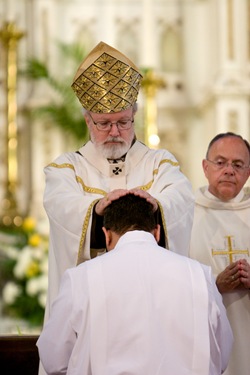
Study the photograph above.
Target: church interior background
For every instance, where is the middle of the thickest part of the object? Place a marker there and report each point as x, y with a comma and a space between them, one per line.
195, 56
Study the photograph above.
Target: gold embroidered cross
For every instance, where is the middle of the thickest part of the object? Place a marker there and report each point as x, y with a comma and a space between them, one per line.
230, 252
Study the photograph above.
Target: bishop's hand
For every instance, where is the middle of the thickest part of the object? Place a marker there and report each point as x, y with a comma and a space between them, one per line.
110, 197
145, 195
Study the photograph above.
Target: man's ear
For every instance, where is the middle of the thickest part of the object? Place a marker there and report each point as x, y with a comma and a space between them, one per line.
108, 237
87, 119
157, 232
205, 166
111, 238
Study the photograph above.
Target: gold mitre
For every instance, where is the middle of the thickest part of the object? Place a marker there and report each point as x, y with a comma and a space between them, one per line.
106, 81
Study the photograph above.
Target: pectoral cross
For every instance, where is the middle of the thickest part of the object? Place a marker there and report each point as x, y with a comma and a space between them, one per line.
230, 251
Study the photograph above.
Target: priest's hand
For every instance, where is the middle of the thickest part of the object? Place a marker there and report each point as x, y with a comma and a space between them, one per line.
244, 270
229, 279
145, 195
110, 197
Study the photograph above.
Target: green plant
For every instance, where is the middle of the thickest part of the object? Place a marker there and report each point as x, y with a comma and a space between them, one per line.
63, 109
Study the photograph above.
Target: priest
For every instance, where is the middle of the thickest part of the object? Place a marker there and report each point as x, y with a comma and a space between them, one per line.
221, 235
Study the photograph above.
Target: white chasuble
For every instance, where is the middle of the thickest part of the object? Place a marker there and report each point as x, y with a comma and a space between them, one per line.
221, 235
135, 346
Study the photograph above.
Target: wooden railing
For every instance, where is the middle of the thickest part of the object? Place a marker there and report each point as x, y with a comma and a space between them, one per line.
18, 355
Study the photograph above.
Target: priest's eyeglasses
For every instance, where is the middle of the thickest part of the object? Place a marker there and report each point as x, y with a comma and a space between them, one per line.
107, 125
237, 166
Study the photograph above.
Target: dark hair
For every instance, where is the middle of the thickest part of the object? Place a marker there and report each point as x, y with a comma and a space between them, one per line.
225, 135
129, 212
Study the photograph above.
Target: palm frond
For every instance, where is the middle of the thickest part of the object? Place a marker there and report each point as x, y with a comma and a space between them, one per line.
74, 51
36, 69
65, 110
62, 117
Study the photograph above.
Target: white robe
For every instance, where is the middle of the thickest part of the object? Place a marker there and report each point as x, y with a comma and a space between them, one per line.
220, 228
137, 310
75, 182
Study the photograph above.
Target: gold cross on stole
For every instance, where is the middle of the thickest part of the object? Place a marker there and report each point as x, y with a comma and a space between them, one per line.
230, 252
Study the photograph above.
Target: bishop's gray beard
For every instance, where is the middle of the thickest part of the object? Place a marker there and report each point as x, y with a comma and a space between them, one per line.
114, 151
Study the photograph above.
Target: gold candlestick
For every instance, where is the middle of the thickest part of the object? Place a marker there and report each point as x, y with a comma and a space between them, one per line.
150, 85
10, 35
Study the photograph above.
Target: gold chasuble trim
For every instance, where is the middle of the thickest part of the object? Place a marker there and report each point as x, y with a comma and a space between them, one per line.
84, 231
155, 172
148, 186
164, 223
86, 188
64, 165
90, 189
173, 163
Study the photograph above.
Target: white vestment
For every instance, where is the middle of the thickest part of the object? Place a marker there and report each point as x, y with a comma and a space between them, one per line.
137, 310
220, 235
76, 181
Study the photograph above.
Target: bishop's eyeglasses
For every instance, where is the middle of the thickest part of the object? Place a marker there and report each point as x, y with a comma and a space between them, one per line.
237, 166
107, 125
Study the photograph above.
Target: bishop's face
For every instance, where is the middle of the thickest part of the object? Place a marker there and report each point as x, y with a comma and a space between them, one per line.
224, 178
112, 140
